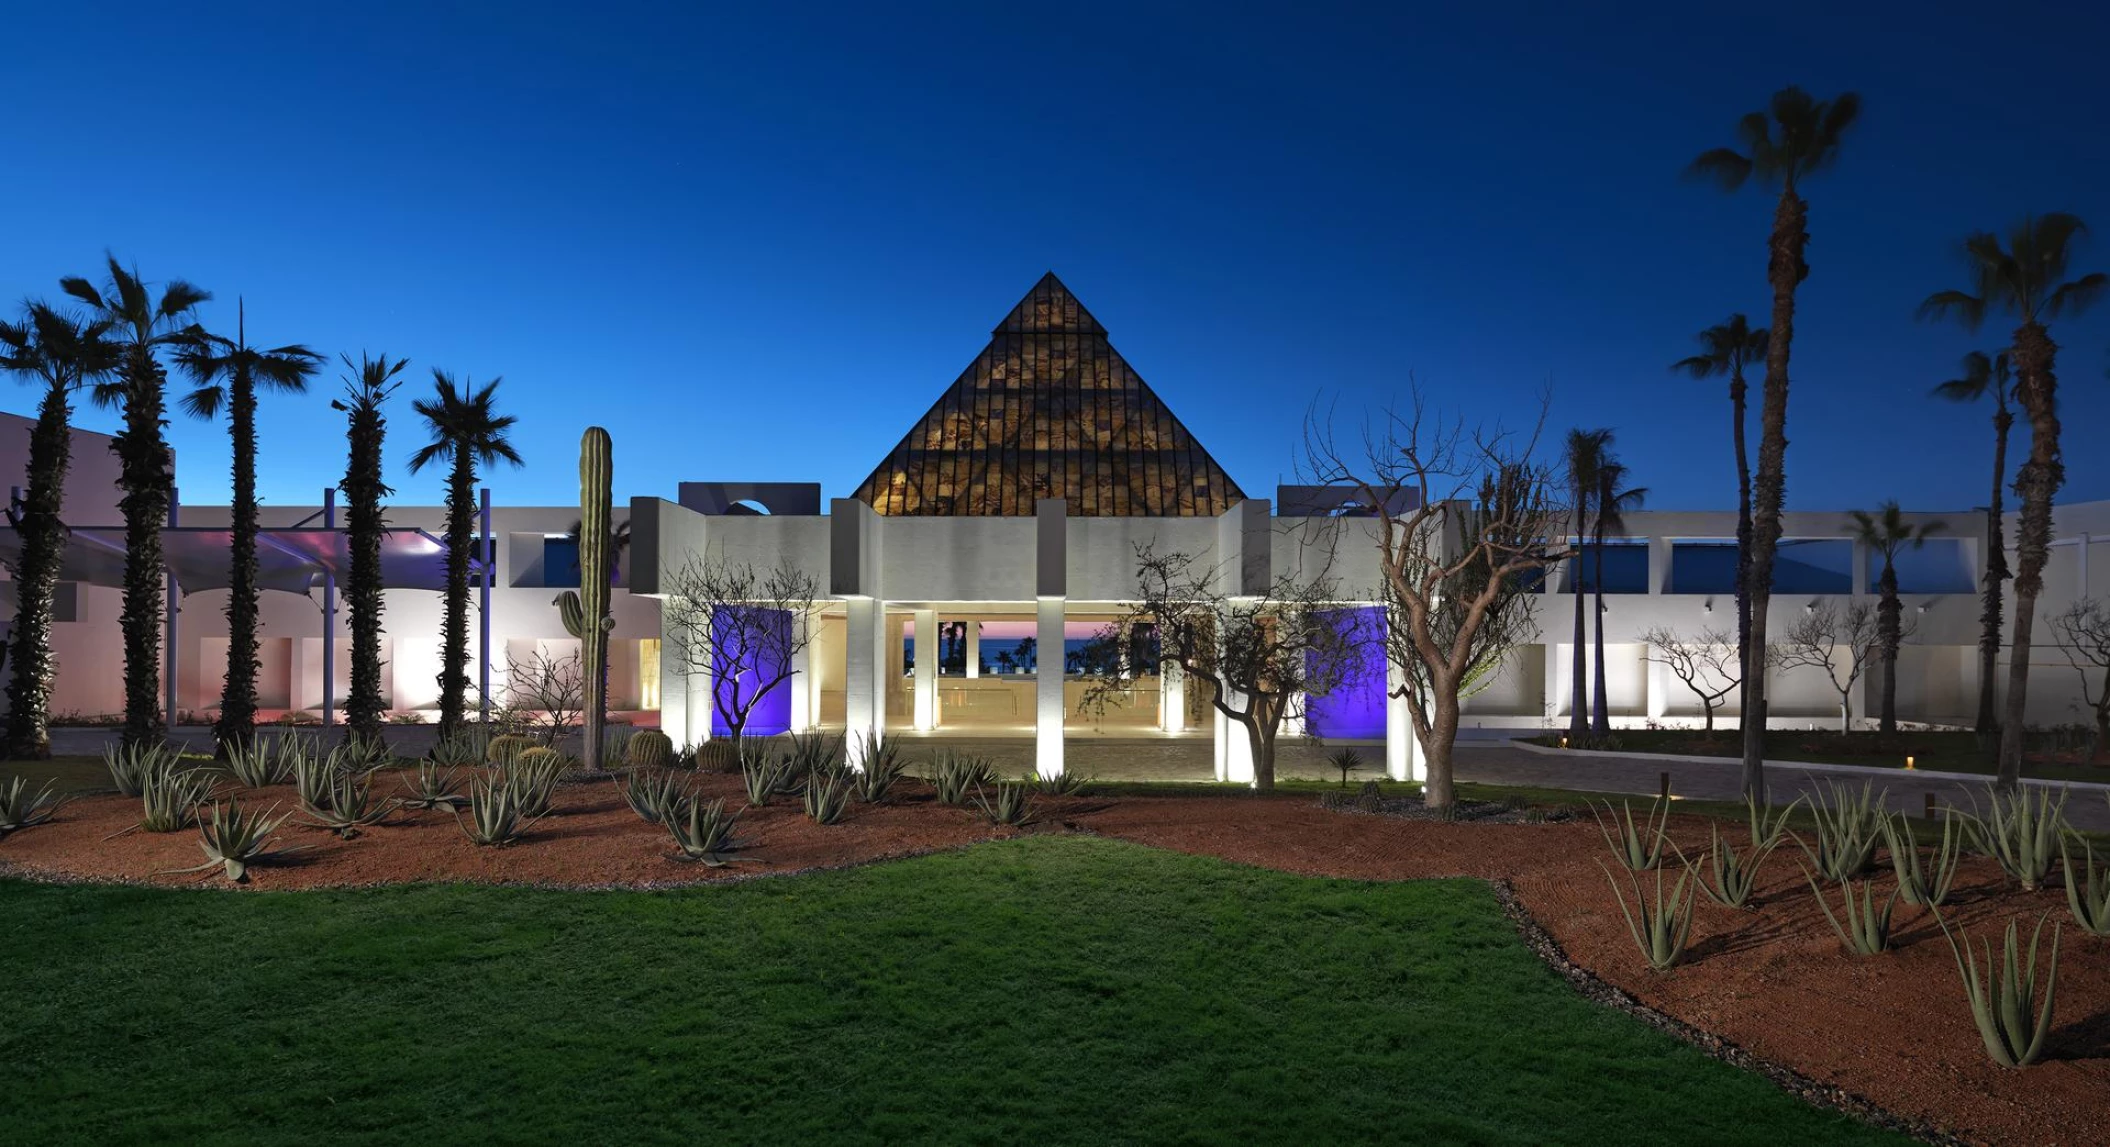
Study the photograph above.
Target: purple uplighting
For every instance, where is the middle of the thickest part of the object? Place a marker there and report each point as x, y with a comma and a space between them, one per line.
1356, 710
772, 713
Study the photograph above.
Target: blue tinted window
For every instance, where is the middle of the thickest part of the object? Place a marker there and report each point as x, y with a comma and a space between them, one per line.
1814, 566
1625, 568
1942, 565
1702, 567
560, 562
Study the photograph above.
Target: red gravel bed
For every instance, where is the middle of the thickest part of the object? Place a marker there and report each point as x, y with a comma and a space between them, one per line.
1893, 1029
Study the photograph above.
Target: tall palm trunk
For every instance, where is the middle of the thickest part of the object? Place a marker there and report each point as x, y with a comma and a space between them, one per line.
1578, 674
144, 477
237, 723
43, 535
1600, 716
2036, 387
1889, 635
1995, 572
1785, 271
1739, 405
363, 490
454, 628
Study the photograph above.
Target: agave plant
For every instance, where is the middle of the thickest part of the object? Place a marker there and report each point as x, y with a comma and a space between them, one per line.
2003, 997
2021, 831
255, 763
363, 754
764, 777
347, 805
293, 750
313, 774
883, 765
1917, 882
1731, 879
433, 787
826, 798
1862, 927
703, 832
1660, 929
819, 755
533, 777
1848, 829
1013, 805
463, 749
132, 766
1768, 826
235, 838
2087, 893
495, 817
170, 799
1062, 784
1637, 848
22, 807
652, 793
958, 776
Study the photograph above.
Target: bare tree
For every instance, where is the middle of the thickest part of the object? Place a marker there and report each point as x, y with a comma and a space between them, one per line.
1841, 642
1709, 663
1464, 519
738, 627
545, 694
2084, 637
1261, 655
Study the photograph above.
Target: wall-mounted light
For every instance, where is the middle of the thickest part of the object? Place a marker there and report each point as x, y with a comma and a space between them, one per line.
1809, 608
1908, 762
1923, 609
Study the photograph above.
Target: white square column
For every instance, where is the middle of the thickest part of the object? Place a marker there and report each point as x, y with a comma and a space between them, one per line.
864, 672
974, 647
1047, 686
1234, 750
803, 710
926, 670
1403, 759
1172, 698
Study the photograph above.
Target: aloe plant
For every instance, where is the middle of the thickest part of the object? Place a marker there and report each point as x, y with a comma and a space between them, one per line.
1768, 826
2020, 830
1636, 848
2087, 892
1731, 879
818, 755
1063, 784
23, 807
533, 777
255, 763
1861, 926
234, 838
313, 775
957, 776
1659, 930
347, 805
763, 776
703, 832
433, 787
1848, 828
133, 765
496, 817
2003, 997
467, 748
170, 799
1919, 883
826, 798
883, 765
652, 793
1012, 805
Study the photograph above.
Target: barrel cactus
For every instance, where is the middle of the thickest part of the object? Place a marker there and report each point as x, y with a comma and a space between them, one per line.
649, 749
502, 750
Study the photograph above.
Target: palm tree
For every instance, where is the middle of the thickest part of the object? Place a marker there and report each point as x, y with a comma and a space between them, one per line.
365, 390
466, 432
1794, 138
64, 353
229, 372
1726, 349
1985, 374
1585, 454
2025, 278
142, 326
1614, 499
1888, 534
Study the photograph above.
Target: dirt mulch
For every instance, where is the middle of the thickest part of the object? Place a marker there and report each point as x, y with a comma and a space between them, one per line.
1892, 1029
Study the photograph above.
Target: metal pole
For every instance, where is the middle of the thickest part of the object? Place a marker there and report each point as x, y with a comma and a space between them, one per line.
329, 617
483, 612
175, 590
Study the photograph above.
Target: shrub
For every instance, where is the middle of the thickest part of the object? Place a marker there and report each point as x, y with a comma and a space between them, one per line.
703, 832
495, 818
1659, 930
501, 750
1848, 829
826, 797
533, 777
1635, 848
256, 764
132, 765
652, 793
2087, 894
1918, 883
1863, 928
1345, 761
2002, 999
347, 805
1013, 805
1732, 879
434, 787
22, 807
171, 799
648, 749
957, 776
2021, 831
233, 838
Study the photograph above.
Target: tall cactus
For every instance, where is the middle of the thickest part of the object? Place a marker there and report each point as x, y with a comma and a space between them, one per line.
586, 613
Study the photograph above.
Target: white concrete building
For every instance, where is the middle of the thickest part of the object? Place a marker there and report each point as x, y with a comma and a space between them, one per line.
1011, 510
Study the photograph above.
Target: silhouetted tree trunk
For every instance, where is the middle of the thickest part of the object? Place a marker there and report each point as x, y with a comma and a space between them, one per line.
43, 536
145, 481
237, 723
2042, 474
1995, 572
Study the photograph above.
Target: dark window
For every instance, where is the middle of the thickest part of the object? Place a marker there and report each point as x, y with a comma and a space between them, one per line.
560, 563
1703, 567
1942, 565
1625, 567
1818, 565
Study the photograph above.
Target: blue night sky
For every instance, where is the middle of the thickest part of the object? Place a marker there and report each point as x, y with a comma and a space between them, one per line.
757, 244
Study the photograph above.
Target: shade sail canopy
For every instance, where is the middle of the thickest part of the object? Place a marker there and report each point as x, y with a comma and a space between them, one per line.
289, 560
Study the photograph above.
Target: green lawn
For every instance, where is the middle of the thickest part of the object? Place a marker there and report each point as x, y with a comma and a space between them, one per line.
1055, 989
1943, 751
